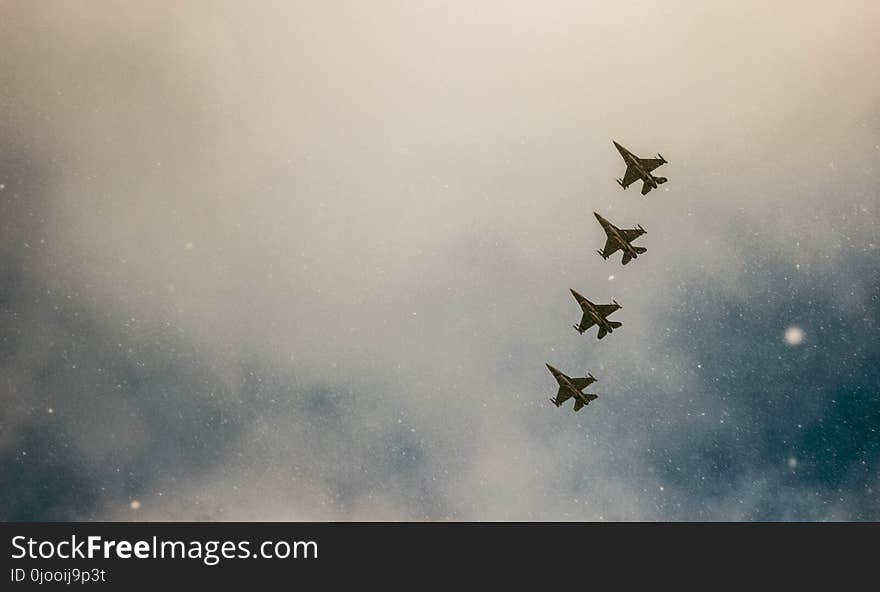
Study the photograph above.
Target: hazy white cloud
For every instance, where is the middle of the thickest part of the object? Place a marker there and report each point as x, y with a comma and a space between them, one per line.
350, 229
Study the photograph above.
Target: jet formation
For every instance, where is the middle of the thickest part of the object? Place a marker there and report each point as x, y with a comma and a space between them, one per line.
617, 239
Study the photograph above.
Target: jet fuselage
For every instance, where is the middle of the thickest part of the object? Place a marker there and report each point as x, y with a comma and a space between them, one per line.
625, 245
572, 391
597, 318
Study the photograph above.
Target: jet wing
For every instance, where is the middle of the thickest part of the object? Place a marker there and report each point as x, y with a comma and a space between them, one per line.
580, 299
629, 234
584, 400
563, 395
649, 164
586, 323
606, 309
582, 383
631, 176
611, 247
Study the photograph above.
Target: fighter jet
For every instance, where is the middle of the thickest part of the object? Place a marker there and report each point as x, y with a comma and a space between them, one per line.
596, 314
640, 168
572, 387
620, 238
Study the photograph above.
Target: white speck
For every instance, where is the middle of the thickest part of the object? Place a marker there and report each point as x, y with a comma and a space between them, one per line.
135, 505
610, 278
2, 186
661, 488
50, 411
794, 335
792, 463
190, 246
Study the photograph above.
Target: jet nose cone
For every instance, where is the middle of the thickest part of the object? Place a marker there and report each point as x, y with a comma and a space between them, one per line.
551, 369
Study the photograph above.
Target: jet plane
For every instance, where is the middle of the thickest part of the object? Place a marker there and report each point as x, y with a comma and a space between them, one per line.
640, 168
572, 387
620, 238
596, 314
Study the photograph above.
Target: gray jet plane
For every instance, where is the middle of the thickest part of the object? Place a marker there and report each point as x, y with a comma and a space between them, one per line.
572, 387
596, 314
640, 168
620, 238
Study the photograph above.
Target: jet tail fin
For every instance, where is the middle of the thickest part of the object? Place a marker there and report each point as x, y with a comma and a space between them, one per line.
645, 188
602, 332
578, 405
626, 258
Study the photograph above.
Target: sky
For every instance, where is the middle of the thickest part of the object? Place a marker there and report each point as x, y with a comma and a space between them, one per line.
306, 261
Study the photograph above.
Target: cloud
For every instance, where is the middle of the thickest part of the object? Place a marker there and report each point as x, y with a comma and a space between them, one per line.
298, 263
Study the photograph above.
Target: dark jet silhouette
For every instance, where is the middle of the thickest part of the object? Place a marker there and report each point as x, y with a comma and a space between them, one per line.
572, 387
620, 239
640, 168
596, 314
